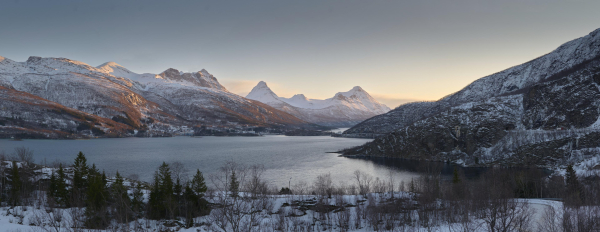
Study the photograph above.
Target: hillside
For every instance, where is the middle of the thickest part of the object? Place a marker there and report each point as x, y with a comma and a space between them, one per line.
542, 113
161, 103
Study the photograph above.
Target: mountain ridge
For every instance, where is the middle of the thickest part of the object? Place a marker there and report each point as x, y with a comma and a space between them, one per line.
515, 78
533, 114
343, 109
112, 91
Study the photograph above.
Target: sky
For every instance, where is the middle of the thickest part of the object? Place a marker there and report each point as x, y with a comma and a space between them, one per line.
398, 51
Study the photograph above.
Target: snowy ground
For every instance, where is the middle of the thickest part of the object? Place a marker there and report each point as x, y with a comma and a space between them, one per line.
33, 218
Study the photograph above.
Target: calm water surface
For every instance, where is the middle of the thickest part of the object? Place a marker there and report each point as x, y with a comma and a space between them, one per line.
299, 158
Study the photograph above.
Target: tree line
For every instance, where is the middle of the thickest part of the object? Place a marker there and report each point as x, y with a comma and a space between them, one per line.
240, 199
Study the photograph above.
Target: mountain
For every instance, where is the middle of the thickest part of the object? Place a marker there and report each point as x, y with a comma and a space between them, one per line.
146, 102
543, 112
342, 110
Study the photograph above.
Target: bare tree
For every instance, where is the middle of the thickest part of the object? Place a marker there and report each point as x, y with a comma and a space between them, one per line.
24, 155
324, 185
550, 221
363, 181
179, 171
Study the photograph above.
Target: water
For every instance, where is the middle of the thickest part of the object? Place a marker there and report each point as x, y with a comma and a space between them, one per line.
300, 158
339, 130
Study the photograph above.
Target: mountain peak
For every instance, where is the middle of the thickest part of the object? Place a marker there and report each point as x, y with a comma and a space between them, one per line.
109, 64
33, 59
115, 69
201, 78
261, 92
261, 84
357, 88
299, 98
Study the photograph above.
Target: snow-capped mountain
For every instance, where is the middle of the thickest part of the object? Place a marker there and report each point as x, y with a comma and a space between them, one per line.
545, 112
111, 91
343, 109
511, 80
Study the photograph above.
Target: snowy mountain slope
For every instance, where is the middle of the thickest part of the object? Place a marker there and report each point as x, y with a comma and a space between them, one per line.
23, 113
344, 109
110, 91
551, 122
514, 79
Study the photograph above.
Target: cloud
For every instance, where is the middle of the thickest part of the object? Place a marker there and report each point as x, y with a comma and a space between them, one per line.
393, 101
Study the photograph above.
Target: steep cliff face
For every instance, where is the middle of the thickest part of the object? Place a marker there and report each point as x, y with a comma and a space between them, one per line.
543, 120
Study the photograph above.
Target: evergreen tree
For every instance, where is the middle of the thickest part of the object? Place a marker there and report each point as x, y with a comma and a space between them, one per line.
97, 198
15, 185
162, 202
234, 185
574, 189
137, 200
156, 208
80, 172
52, 187
165, 180
58, 191
455, 176
198, 184
177, 197
121, 199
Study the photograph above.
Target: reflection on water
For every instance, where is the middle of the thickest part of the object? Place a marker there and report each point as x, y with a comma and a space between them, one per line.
444, 169
300, 159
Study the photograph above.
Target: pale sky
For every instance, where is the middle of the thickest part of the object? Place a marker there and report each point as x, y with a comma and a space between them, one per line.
396, 50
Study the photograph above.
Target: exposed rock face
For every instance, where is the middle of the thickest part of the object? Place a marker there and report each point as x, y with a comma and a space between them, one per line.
544, 113
201, 78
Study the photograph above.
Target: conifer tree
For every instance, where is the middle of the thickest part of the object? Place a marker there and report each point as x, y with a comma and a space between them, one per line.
97, 198
15, 185
58, 188
198, 184
234, 185
455, 177
80, 172
155, 200
574, 189
121, 199
137, 200
162, 202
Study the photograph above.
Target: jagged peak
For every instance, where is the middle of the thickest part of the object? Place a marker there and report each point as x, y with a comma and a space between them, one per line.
299, 95
171, 70
33, 59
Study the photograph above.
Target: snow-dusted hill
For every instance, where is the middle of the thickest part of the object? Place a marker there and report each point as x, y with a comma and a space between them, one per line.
544, 112
511, 80
344, 109
171, 98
